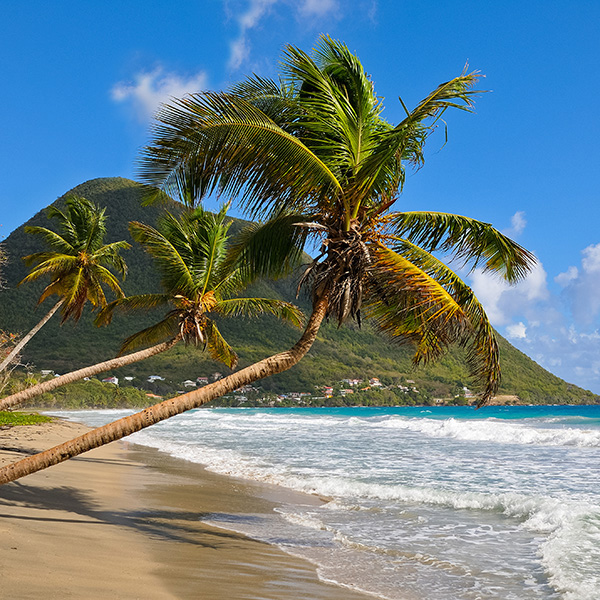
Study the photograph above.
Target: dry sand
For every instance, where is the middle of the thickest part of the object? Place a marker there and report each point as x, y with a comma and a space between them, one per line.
124, 522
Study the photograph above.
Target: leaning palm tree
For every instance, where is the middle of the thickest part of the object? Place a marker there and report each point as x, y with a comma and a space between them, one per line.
313, 156
78, 263
199, 282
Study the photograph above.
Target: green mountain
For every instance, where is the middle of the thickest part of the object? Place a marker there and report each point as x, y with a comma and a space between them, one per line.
347, 352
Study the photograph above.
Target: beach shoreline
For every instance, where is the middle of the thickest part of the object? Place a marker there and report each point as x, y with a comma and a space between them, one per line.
126, 521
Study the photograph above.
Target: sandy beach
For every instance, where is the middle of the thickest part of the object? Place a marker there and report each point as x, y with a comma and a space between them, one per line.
124, 522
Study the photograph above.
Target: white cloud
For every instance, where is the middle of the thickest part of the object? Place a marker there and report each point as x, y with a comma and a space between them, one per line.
516, 331
591, 259
561, 332
564, 279
517, 224
502, 302
239, 49
149, 89
317, 8
581, 287
571, 354
308, 12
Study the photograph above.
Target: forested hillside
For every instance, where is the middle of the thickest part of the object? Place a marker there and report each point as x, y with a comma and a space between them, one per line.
347, 352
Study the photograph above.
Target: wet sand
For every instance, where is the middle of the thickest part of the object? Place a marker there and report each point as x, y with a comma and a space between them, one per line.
125, 522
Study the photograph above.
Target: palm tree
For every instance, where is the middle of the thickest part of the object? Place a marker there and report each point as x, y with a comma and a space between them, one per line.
77, 263
313, 155
190, 253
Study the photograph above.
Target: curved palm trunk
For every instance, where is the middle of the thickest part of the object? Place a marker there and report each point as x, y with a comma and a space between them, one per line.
17, 348
114, 363
169, 408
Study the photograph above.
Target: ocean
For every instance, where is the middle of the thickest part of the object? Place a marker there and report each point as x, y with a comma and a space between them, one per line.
444, 503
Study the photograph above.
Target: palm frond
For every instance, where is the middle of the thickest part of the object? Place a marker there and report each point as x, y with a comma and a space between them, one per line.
176, 275
99, 276
410, 305
54, 265
52, 239
479, 337
272, 249
217, 346
406, 141
253, 307
159, 332
469, 240
108, 254
140, 302
211, 142
275, 100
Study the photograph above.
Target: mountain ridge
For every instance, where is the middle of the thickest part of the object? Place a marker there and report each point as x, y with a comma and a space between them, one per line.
347, 352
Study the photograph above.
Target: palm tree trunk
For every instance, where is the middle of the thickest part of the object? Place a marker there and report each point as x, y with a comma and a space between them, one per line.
22, 343
114, 363
169, 408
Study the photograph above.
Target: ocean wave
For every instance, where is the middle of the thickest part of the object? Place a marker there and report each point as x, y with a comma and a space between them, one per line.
497, 431
539, 513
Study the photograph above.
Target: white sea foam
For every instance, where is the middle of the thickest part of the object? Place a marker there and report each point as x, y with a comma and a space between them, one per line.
497, 432
396, 481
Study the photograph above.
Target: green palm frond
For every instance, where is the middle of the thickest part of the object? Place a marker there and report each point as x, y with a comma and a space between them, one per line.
479, 338
176, 274
406, 141
141, 302
51, 264
275, 100
109, 255
83, 224
211, 142
409, 304
272, 249
99, 276
211, 235
338, 98
253, 307
77, 261
218, 348
155, 334
469, 240
52, 239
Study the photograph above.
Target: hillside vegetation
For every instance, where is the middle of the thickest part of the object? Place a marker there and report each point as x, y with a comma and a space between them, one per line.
347, 352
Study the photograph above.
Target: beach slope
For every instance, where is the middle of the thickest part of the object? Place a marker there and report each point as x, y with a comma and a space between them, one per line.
125, 522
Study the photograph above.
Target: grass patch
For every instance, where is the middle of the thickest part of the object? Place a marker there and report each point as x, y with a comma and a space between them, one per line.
19, 418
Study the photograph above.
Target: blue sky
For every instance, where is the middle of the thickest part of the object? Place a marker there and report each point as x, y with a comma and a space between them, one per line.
81, 80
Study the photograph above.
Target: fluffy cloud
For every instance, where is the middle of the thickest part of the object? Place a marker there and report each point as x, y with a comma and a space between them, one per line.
560, 331
148, 90
240, 47
591, 259
517, 224
317, 8
564, 279
502, 301
581, 287
516, 331
255, 13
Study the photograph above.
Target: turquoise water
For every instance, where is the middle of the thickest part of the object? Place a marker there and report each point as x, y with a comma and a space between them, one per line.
442, 503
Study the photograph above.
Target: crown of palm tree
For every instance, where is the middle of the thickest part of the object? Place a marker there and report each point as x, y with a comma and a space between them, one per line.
190, 253
77, 259
313, 155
